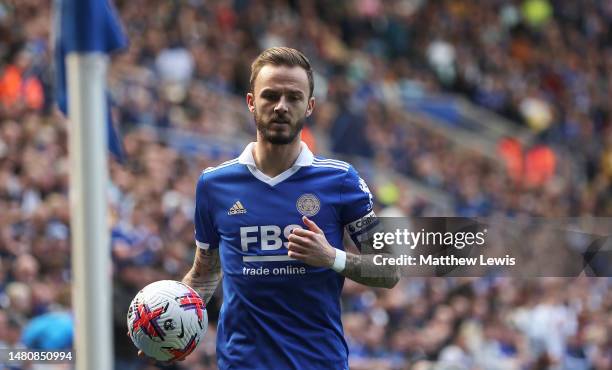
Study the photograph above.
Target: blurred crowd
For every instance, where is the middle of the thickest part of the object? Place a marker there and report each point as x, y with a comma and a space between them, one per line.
545, 64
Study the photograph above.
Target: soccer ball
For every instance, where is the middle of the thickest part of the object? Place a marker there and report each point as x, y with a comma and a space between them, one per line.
166, 320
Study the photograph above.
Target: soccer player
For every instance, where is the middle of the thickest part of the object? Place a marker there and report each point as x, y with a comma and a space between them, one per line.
271, 223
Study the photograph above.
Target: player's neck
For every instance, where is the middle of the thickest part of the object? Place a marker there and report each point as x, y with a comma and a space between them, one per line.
273, 159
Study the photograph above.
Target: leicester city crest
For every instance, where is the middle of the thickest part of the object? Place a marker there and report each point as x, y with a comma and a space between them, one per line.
308, 205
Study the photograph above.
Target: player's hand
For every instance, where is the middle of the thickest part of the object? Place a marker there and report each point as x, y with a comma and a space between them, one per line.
141, 354
310, 246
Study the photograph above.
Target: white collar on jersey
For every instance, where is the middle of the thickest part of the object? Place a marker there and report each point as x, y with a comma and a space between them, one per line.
304, 159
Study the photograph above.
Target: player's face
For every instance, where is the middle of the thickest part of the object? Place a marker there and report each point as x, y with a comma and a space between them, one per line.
280, 103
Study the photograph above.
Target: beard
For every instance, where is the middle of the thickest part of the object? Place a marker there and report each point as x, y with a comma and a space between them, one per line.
277, 137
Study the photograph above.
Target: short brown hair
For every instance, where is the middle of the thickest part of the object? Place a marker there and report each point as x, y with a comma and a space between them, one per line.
281, 56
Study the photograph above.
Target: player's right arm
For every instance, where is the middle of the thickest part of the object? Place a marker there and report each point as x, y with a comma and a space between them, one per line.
205, 273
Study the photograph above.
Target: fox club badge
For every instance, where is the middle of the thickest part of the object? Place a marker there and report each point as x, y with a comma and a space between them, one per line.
308, 205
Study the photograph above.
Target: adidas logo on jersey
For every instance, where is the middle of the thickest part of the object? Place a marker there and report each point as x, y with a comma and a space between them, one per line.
237, 209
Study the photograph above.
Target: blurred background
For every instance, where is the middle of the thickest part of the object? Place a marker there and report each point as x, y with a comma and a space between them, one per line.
446, 108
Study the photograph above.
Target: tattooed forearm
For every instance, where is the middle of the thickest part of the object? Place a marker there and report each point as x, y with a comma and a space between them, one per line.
205, 273
362, 269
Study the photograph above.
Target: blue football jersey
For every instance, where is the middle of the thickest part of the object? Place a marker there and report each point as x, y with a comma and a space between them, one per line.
279, 313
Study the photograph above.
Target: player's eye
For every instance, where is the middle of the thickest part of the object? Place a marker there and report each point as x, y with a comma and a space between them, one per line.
270, 95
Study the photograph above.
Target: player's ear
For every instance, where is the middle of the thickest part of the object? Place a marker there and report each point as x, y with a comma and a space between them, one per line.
250, 100
310, 107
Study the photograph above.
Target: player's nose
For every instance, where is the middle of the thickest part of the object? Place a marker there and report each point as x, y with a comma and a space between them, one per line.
281, 107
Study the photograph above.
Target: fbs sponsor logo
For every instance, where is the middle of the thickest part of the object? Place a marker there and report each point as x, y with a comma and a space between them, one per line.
237, 209
265, 237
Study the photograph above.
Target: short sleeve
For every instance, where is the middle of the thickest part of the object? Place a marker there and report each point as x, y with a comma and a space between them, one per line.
205, 234
356, 213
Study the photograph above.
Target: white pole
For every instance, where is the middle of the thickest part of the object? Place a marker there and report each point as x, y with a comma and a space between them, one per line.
91, 267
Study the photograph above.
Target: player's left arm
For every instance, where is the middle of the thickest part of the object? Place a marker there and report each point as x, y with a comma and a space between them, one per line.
311, 247
362, 269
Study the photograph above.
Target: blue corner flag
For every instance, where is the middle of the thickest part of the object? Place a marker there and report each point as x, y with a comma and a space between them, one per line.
86, 26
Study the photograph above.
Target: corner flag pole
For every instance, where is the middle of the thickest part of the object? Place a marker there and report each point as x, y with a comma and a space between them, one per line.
90, 236
88, 30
